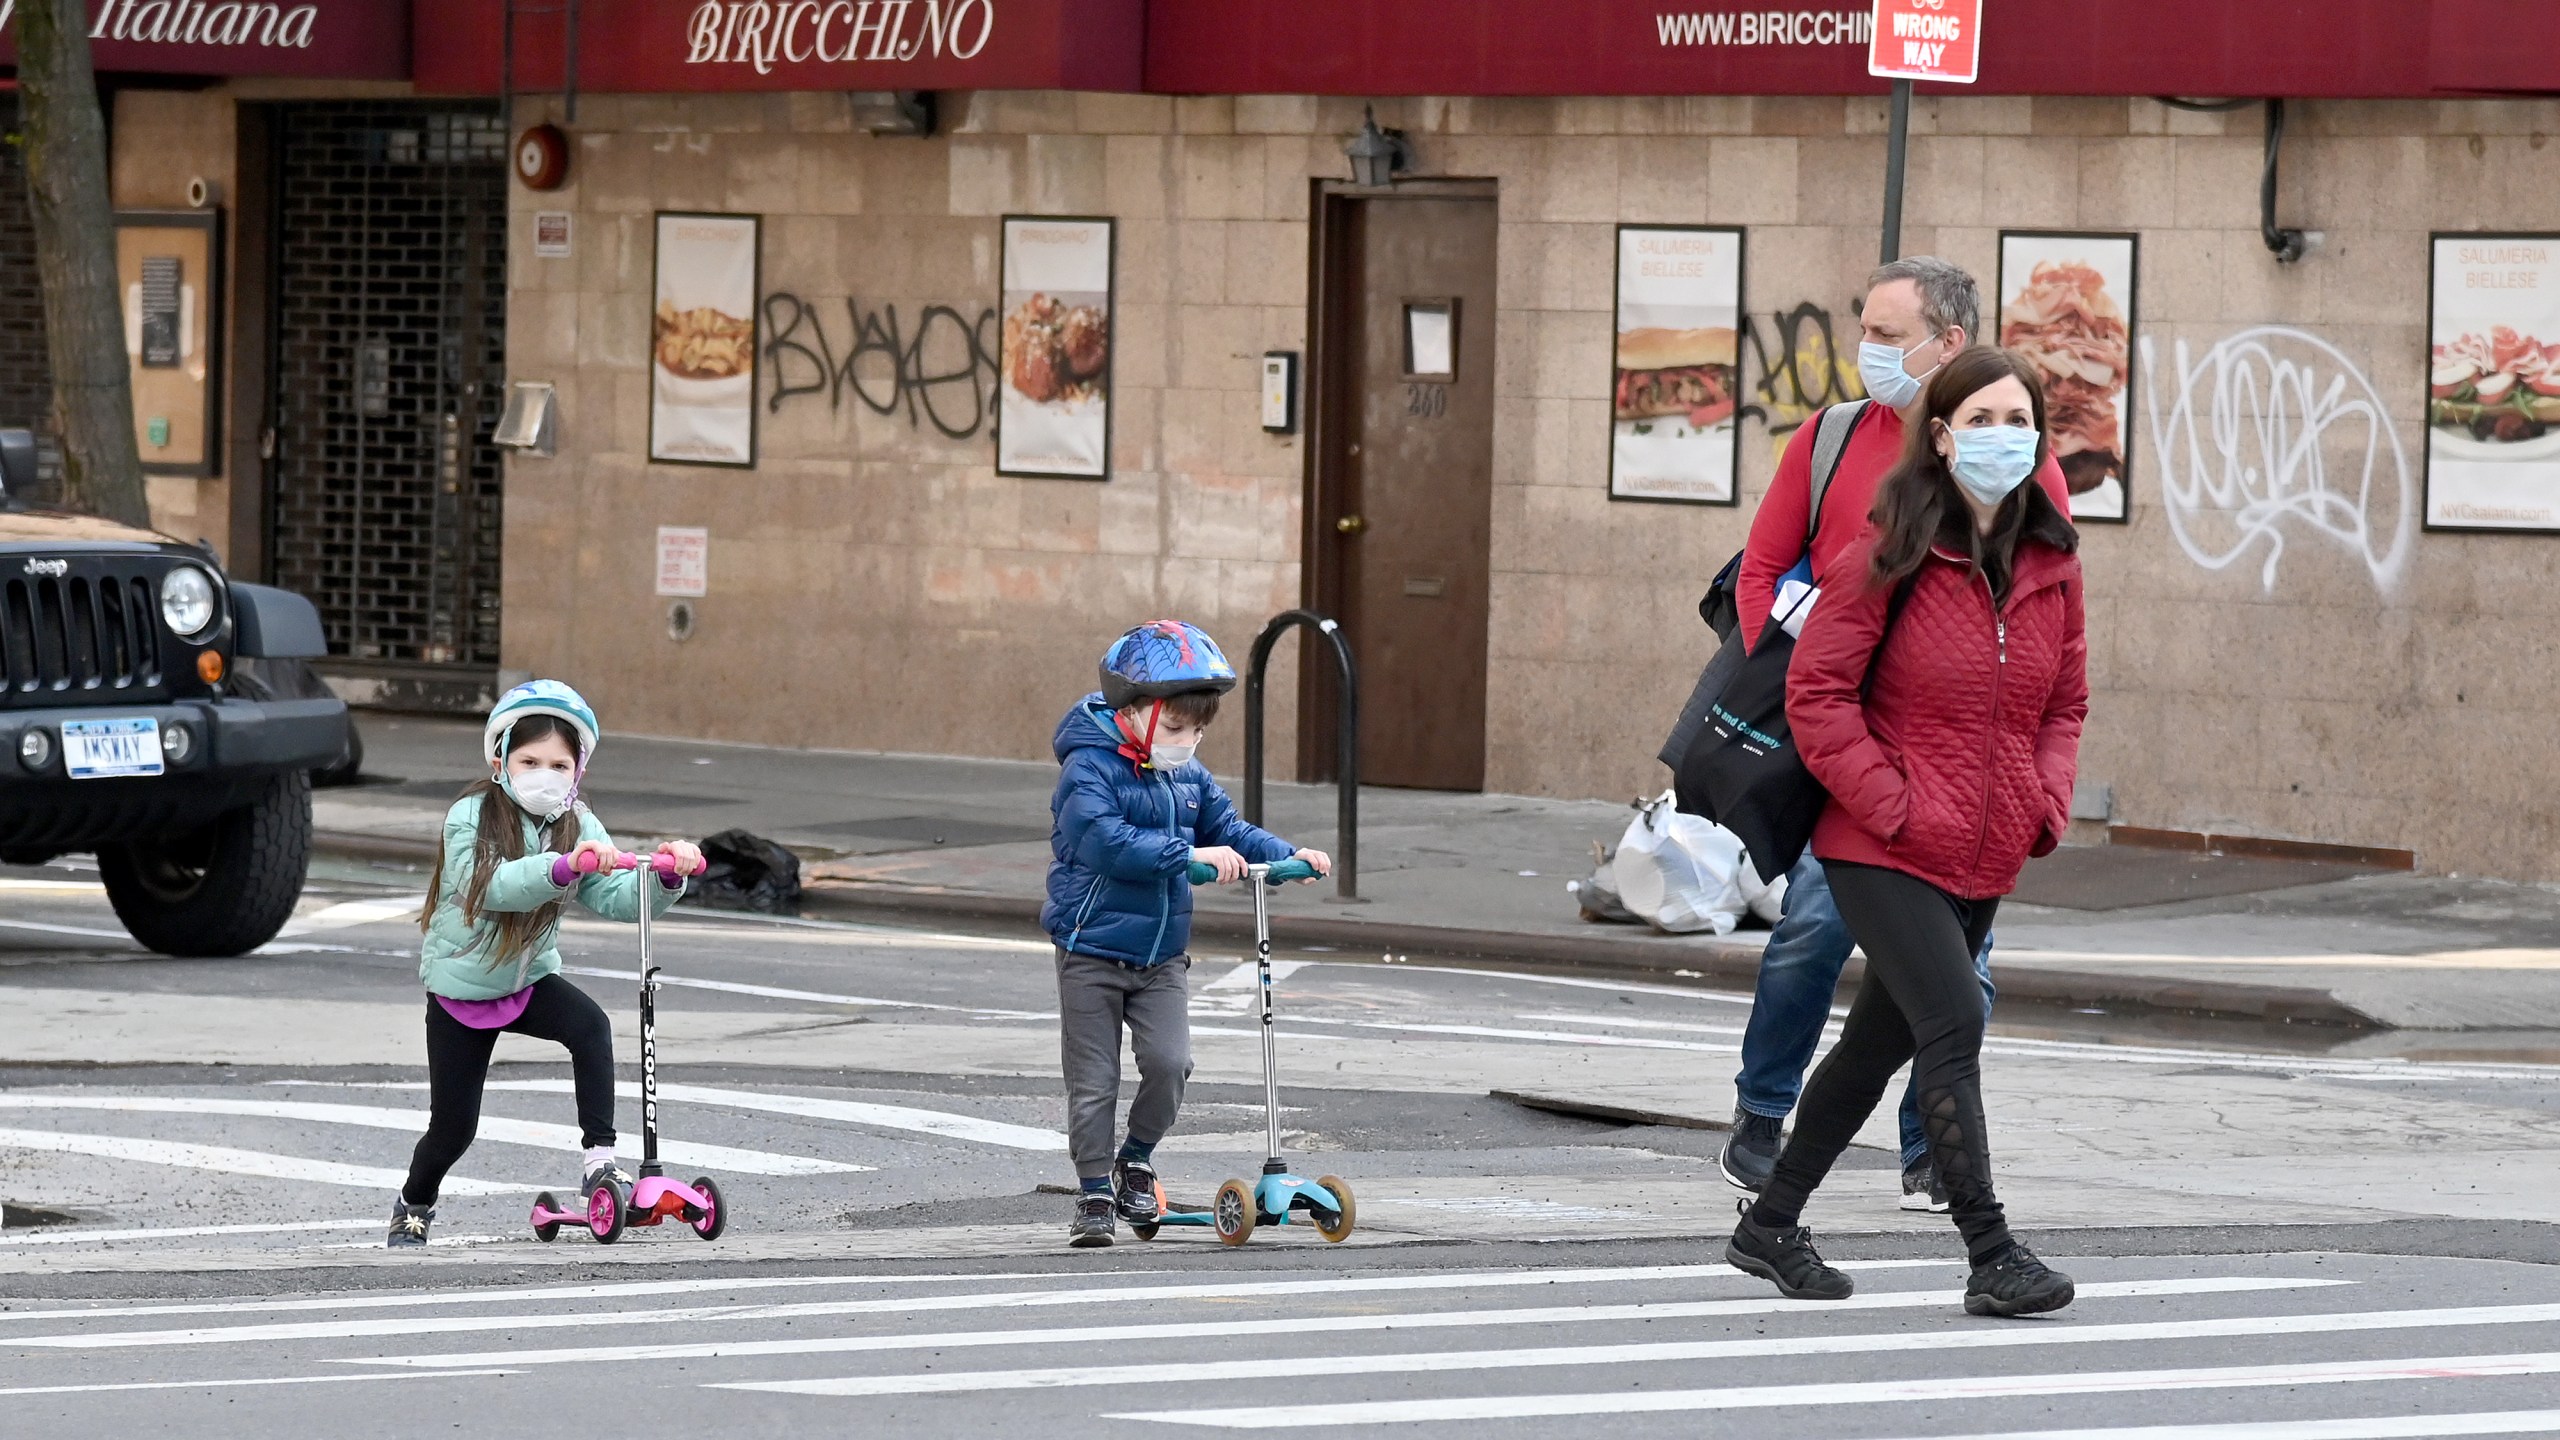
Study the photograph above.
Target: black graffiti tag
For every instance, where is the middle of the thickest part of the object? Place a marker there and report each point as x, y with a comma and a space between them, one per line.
935, 373
1800, 364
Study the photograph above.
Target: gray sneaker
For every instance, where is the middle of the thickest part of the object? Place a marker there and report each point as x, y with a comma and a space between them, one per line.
1921, 1189
1092, 1228
409, 1223
1751, 1156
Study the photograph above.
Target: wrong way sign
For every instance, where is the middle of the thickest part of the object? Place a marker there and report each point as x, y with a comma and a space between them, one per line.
1927, 40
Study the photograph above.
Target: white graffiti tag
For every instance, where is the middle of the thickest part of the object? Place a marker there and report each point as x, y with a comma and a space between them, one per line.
2275, 430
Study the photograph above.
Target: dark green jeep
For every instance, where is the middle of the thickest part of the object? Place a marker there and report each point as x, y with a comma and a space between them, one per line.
141, 718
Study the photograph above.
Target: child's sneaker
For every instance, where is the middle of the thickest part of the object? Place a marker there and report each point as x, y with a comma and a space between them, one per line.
409, 1223
1135, 1182
597, 1175
1092, 1227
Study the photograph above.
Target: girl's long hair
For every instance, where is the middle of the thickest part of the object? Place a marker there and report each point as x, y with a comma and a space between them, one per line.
501, 839
1919, 504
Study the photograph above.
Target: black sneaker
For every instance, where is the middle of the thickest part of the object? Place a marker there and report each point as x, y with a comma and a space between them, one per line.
1921, 1189
1787, 1257
2015, 1282
1092, 1227
409, 1223
620, 1177
1751, 1156
1135, 1184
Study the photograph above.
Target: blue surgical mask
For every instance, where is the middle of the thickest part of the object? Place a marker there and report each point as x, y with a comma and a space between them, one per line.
1880, 367
1992, 461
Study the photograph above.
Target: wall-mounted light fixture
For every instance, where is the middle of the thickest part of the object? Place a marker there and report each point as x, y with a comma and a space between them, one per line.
1376, 155
893, 112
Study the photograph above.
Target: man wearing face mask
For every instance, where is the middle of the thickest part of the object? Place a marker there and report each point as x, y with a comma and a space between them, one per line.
1920, 312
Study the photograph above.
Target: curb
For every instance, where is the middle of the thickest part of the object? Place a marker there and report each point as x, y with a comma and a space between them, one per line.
1620, 951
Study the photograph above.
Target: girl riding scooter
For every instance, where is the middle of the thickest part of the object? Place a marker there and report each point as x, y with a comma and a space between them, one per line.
513, 851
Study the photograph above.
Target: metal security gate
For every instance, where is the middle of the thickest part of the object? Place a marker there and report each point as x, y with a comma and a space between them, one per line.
26, 371
390, 355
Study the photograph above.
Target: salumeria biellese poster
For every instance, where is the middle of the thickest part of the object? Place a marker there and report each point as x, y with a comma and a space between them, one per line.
2067, 303
2493, 383
1678, 364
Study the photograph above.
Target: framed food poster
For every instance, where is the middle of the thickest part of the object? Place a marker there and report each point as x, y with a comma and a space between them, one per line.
169, 278
1053, 406
1672, 430
2067, 303
2493, 383
702, 340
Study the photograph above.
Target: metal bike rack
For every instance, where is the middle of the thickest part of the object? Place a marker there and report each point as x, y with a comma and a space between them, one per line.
1346, 860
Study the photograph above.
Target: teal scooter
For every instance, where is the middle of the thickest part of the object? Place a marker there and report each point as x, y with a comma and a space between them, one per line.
1275, 1197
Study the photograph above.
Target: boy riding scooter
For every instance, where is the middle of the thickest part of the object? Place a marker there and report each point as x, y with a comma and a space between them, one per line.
1132, 811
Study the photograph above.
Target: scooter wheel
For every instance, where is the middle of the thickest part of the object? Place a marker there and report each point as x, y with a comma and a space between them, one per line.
1233, 1212
1336, 1225
608, 1210
714, 1217
546, 1231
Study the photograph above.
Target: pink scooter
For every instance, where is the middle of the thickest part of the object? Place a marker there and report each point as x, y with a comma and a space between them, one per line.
614, 1207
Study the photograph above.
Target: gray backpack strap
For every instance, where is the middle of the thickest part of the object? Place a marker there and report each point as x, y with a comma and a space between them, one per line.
1830, 440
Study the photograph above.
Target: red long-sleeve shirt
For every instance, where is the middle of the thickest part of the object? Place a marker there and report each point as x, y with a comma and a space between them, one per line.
1777, 532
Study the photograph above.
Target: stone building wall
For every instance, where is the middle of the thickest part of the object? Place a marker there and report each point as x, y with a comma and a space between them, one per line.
2276, 647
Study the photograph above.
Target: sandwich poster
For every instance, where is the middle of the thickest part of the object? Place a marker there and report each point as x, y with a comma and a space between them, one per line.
2066, 303
2493, 383
1053, 404
1672, 427
702, 341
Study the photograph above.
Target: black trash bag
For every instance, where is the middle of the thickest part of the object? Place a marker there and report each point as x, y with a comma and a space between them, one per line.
746, 872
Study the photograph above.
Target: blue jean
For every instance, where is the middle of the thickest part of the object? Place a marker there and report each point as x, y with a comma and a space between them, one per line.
1799, 973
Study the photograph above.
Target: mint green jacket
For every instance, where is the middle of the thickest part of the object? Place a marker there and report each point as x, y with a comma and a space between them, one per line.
454, 962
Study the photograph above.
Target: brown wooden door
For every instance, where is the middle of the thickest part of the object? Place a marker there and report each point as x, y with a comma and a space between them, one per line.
1404, 489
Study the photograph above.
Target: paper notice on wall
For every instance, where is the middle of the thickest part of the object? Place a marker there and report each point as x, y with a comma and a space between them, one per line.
684, 561
551, 235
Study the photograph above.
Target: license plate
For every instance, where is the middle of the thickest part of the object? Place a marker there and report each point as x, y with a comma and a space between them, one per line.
102, 749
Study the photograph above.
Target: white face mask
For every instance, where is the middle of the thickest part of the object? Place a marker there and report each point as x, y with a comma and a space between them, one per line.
542, 794
1880, 368
1162, 756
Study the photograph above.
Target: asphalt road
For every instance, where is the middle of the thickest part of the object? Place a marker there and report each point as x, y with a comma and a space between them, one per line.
2270, 1231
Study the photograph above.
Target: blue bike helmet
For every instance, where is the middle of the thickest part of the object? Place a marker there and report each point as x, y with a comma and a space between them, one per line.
1163, 658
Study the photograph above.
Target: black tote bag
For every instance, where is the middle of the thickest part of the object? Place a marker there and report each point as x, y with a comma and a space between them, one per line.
1743, 770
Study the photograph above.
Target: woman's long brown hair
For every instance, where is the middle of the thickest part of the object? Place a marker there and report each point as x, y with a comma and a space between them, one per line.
501, 839
1919, 505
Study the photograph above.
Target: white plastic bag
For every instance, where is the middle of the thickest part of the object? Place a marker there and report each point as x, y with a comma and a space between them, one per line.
1681, 873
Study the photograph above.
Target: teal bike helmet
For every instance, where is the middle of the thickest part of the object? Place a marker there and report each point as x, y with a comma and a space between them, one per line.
539, 697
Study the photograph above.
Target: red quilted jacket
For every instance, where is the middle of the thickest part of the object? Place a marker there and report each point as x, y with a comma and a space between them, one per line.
1955, 764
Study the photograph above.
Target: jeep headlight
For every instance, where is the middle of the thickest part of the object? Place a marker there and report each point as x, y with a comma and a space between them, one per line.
186, 601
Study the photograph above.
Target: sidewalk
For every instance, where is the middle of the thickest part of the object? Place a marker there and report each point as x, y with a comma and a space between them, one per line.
1482, 876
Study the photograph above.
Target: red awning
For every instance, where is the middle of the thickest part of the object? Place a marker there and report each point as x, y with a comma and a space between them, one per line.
641, 46
2371, 48
317, 39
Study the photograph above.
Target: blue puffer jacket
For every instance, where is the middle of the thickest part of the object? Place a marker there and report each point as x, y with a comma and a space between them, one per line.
1122, 839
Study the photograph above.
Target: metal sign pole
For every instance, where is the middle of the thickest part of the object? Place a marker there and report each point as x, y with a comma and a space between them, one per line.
1897, 142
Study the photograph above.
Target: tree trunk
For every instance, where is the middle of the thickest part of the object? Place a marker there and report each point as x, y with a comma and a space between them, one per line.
66, 160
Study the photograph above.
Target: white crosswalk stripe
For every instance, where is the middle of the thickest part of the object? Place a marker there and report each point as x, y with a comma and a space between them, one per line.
2276, 1348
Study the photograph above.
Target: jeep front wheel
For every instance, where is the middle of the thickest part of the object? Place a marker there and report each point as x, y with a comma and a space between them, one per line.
225, 889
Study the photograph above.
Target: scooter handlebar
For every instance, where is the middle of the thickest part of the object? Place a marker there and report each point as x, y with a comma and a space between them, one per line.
1280, 872
588, 862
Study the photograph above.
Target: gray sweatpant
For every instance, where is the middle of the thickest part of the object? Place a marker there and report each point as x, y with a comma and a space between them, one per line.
1095, 998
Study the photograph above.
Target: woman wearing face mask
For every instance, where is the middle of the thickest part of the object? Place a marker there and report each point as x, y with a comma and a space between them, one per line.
517, 846
1937, 692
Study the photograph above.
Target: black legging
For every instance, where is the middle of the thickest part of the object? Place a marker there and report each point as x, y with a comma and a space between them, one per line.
458, 1064
1921, 1003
